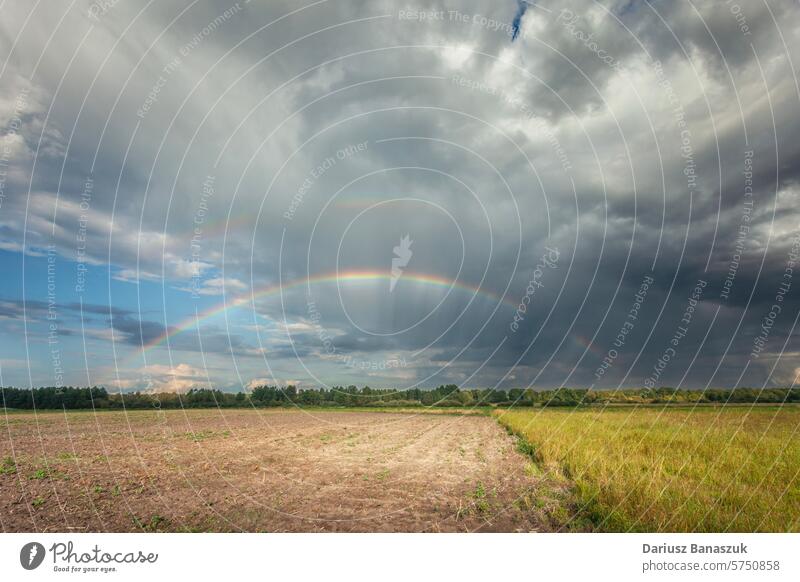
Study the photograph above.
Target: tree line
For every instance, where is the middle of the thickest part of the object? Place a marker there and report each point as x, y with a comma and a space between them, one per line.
449, 395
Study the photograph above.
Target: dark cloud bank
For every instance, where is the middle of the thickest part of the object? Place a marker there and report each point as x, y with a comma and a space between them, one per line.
651, 145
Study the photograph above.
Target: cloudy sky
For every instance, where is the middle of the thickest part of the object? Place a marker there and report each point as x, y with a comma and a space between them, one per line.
400, 194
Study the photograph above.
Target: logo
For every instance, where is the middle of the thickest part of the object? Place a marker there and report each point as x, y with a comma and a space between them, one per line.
402, 254
31, 555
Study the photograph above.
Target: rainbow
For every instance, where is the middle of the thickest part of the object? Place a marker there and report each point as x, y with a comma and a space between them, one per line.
347, 277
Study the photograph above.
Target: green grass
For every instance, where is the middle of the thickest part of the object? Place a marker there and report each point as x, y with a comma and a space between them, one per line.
39, 474
647, 469
155, 523
479, 495
8, 466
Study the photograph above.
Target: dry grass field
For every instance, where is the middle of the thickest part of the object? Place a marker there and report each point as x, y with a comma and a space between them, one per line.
255, 470
708, 469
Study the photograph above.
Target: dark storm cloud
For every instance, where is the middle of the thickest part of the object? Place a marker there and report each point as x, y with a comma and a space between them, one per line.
505, 107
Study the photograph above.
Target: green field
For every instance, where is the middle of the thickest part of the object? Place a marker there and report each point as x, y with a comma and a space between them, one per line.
678, 469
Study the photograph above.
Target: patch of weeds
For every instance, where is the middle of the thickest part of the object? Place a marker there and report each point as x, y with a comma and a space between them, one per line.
479, 494
559, 514
38, 502
382, 475
155, 521
325, 438
115, 491
40, 474
152, 525
199, 435
97, 489
67, 456
526, 448
8, 466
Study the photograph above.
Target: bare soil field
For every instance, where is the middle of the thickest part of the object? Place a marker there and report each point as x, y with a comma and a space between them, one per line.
254, 470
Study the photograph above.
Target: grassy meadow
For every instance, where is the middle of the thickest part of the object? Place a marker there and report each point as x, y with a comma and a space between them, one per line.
677, 469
